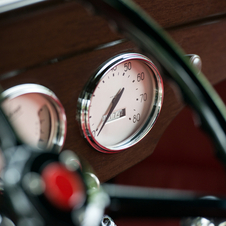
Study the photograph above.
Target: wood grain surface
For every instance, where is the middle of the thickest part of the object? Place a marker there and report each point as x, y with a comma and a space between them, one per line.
180, 12
61, 46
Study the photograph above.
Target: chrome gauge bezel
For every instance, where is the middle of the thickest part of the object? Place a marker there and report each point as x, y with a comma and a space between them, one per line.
85, 99
59, 136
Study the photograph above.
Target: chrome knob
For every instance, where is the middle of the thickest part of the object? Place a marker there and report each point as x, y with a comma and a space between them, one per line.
195, 61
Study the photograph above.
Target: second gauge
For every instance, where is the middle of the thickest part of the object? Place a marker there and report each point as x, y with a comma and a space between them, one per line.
121, 103
36, 115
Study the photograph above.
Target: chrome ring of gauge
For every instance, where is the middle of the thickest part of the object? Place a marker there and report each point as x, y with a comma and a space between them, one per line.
85, 100
57, 141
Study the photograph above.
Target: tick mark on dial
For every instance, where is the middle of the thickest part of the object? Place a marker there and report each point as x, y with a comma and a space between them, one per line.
42, 120
133, 81
103, 81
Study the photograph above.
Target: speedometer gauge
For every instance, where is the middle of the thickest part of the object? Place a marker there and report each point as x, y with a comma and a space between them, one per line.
36, 115
120, 103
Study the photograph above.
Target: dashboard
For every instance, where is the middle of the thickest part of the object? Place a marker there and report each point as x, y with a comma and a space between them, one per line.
60, 45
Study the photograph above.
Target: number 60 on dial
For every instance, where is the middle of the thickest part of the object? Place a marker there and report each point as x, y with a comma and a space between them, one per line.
120, 103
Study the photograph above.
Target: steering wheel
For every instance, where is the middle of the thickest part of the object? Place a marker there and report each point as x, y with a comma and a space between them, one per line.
132, 22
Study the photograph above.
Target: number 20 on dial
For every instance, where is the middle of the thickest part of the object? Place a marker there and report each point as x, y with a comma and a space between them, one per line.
120, 103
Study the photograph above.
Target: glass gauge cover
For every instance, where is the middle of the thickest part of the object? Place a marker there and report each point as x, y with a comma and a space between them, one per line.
36, 115
120, 103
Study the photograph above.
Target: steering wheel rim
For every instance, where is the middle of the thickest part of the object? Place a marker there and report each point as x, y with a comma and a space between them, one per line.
136, 25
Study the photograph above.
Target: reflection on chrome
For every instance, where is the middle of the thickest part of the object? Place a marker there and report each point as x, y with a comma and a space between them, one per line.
201, 221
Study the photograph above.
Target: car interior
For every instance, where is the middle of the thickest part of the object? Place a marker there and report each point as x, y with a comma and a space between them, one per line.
127, 93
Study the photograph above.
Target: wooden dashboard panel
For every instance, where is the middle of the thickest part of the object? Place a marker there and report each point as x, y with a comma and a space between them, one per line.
62, 45
32, 37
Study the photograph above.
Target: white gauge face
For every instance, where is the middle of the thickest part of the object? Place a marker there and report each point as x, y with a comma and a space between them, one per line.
124, 104
37, 118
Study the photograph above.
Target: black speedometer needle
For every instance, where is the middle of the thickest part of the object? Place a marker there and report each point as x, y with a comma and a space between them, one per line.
113, 104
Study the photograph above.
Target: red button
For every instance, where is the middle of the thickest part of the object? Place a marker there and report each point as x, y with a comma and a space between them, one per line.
63, 188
